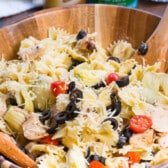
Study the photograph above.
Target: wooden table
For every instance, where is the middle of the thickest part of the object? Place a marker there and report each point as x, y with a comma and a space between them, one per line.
153, 7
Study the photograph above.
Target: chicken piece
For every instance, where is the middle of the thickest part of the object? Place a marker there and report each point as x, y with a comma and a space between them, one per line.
159, 117
30, 153
33, 128
31, 53
3, 106
163, 140
86, 44
142, 139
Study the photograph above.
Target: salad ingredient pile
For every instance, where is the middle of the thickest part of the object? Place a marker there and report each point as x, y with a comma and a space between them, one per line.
66, 102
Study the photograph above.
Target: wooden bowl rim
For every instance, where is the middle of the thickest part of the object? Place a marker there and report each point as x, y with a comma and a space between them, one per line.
53, 9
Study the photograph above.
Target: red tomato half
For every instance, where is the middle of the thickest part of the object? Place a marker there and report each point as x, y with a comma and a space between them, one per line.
140, 123
96, 164
134, 157
111, 77
58, 87
48, 140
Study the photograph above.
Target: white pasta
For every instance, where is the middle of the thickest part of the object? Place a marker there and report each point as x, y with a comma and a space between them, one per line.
61, 57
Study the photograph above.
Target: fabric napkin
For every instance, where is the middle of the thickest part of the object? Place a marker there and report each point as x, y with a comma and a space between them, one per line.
12, 7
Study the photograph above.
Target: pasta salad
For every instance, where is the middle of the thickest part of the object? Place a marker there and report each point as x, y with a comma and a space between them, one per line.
69, 103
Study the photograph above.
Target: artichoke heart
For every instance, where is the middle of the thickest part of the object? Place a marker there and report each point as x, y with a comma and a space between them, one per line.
89, 76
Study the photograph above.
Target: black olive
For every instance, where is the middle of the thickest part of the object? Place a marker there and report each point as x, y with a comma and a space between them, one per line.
90, 45
93, 157
72, 115
71, 86
143, 48
12, 101
70, 110
113, 121
45, 116
124, 81
102, 159
81, 35
116, 59
127, 132
113, 96
53, 129
74, 63
96, 157
115, 108
71, 107
99, 85
122, 141
61, 117
76, 95
88, 153
65, 149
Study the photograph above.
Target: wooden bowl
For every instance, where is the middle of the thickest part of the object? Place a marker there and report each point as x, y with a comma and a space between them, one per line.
110, 22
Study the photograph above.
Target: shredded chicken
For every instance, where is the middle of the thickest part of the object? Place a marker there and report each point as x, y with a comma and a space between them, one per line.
3, 106
31, 53
163, 140
142, 139
160, 119
33, 129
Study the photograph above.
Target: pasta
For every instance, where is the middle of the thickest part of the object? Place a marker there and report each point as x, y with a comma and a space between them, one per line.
88, 117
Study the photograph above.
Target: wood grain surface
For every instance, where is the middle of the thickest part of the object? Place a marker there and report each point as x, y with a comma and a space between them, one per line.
158, 45
110, 22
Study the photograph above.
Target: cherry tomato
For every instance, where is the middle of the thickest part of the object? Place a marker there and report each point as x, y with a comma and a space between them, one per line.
140, 123
96, 164
48, 140
58, 87
134, 157
111, 77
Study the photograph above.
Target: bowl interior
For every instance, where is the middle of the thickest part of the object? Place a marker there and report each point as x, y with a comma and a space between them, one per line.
110, 22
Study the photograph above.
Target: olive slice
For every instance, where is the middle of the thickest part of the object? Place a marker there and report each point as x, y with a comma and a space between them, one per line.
53, 129
99, 85
113, 96
13, 101
65, 149
113, 121
102, 159
45, 116
93, 157
124, 81
122, 141
70, 110
76, 95
97, 157
71, 107
61, 117
90, 45
74, 63
115, 108
127, 132
143, 48
81, 35
88, 153
116, 59
71, 86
